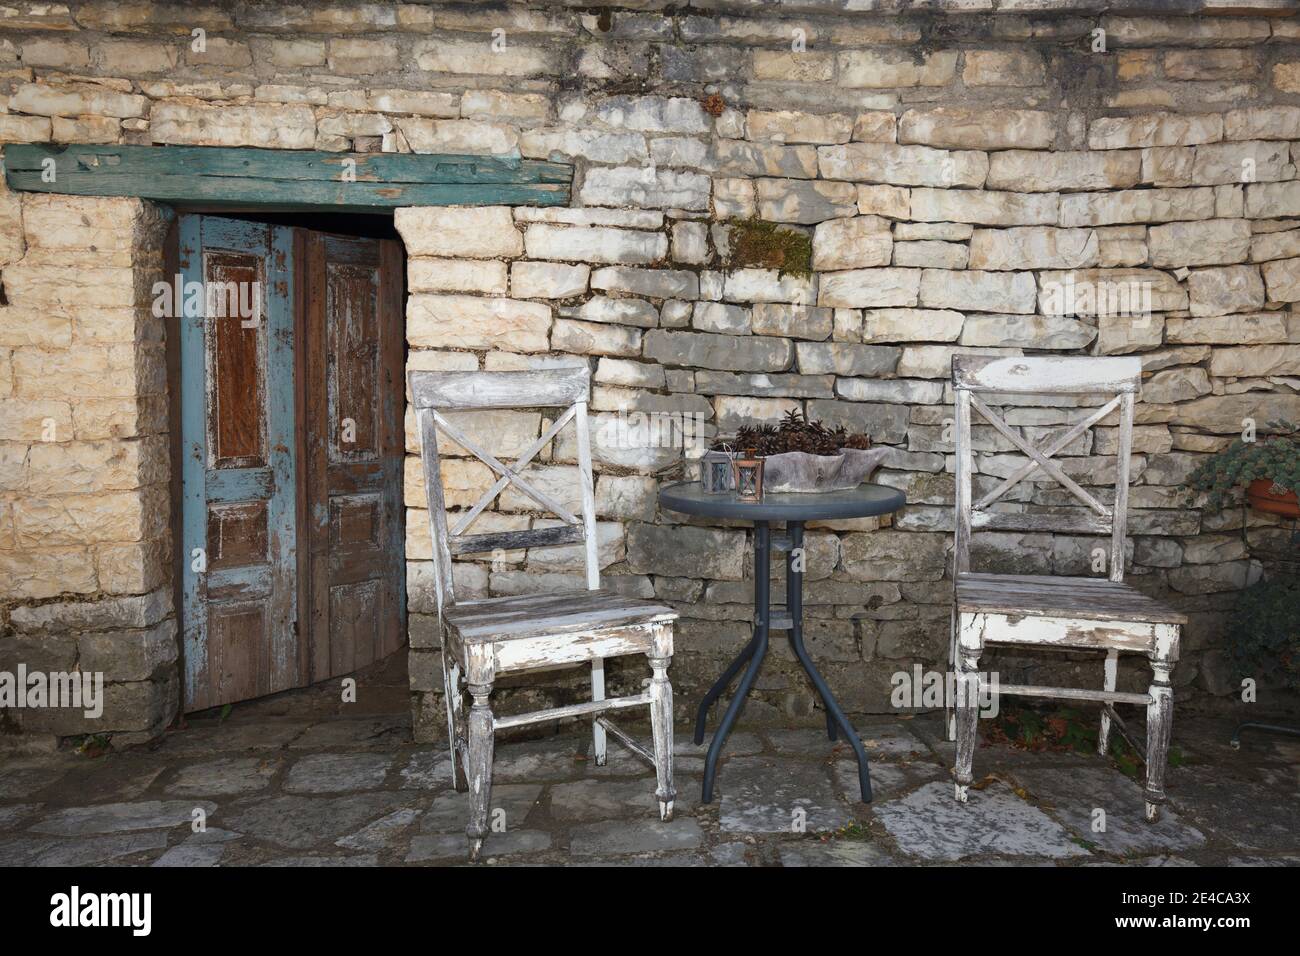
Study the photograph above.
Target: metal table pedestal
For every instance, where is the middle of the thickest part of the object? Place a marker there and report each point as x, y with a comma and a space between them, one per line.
795, 510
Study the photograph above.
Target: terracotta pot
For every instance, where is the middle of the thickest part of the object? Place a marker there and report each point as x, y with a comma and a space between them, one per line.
1260, 494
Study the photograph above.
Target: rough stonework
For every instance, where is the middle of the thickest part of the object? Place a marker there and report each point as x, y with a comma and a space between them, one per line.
85, 545
972, 178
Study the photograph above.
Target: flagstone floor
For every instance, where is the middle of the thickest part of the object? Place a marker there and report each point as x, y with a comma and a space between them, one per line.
321, 789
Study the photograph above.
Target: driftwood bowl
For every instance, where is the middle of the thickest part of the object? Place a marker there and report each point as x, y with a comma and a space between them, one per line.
799, 471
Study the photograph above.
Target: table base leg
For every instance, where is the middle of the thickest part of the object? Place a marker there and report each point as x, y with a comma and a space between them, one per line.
729, 717
834, 715
720, 685
794, 604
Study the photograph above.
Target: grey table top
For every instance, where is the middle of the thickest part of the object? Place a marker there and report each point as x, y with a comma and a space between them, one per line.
860, 502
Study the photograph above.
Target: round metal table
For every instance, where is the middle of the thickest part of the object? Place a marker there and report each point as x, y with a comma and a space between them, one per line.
795, 510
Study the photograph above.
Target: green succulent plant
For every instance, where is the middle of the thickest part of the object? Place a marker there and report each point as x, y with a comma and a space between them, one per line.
1222, 476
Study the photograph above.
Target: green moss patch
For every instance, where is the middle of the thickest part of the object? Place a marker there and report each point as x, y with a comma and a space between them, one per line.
756, 244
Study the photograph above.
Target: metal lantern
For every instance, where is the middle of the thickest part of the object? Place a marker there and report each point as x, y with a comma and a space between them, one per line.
715, 472
747, 476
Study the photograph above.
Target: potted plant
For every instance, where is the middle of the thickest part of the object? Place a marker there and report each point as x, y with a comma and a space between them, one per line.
1268, 470
807, 456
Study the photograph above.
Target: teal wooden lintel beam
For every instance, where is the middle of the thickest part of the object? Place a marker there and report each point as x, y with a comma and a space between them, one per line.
285, 178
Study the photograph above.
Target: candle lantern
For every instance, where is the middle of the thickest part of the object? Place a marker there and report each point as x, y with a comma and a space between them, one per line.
715, 472
747, 476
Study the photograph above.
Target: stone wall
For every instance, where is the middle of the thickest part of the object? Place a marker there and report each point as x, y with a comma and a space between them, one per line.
84, 540
955, 168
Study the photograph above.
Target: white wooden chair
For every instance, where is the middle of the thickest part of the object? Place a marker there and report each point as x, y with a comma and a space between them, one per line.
507, 635
1068, 613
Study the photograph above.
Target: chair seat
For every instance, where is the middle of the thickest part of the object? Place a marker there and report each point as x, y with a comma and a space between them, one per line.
554, 614
1095, 599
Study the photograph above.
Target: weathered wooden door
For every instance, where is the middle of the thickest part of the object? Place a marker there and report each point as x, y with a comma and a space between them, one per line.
292, 441
239, 476
354, 446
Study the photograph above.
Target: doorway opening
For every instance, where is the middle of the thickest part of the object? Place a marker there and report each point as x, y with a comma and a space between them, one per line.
287, 406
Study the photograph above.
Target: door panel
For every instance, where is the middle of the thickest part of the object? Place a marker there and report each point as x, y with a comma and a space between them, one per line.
239, 522
354, 395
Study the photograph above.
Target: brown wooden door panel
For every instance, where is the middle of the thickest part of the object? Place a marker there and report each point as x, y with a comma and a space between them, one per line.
354, 448
238, 641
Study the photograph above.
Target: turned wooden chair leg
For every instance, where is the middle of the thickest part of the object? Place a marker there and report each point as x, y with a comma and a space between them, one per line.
949, 712
455, 701
661, 723
967, 710
598, 739
1111, 674
1160, 716
479, 766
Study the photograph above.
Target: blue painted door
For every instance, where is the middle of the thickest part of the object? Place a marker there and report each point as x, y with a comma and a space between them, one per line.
239, 474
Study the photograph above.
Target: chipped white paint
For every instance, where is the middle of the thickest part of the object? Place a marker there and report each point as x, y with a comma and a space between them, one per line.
533, 632
1002, 610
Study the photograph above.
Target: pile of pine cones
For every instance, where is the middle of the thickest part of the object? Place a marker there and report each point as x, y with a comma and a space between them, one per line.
795, 433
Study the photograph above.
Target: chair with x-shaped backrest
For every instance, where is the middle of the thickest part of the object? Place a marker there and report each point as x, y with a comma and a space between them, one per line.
1043, 611
482, 639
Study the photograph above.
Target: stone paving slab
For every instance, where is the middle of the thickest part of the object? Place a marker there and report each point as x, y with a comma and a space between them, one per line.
427, 770
121, 779
369, 859
203, 849
930, 824
776, 794
454, 847
224, 776
300, 822
561, 758
207, 737
1239, 810
605, 799
81, 851
603, 839
382, 832
834, 853
645, 860
355, 733
13, 816
509, 807
1075, 796
734, 854
338, 773
18, 783
192, 854
888, 780
118, 817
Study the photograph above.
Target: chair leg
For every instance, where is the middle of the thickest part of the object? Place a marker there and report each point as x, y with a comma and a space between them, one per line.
1108, 684
949, 713
967, 714
661, 722
479, 765
598, 744
455, 701
1160, 717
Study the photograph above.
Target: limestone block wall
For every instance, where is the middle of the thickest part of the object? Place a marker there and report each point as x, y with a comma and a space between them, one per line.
958, 168
84, 500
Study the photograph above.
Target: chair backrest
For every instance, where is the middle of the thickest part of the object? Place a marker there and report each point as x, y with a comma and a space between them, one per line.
433, 393
1007, 378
